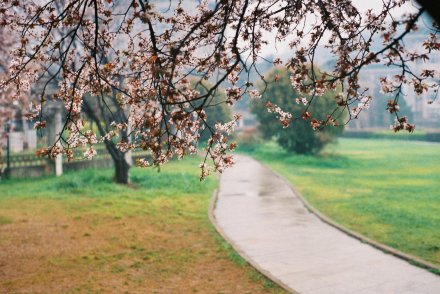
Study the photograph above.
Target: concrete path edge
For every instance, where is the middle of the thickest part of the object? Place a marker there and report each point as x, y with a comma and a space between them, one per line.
240, 252
408, 257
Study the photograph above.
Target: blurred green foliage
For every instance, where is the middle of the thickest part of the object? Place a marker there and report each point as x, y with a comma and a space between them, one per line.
299, 137
217, 111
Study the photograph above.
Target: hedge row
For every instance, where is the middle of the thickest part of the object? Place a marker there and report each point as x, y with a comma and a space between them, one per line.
429, 136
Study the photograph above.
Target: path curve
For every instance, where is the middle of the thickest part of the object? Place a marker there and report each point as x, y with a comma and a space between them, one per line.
270, 227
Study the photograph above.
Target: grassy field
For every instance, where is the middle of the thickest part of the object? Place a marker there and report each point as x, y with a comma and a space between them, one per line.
82, 233
386, 190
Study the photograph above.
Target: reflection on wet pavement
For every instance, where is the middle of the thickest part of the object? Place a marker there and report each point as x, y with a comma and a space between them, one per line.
263, 217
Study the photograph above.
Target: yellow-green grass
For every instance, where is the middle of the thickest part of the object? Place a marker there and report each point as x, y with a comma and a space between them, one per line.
82, 233
387, 190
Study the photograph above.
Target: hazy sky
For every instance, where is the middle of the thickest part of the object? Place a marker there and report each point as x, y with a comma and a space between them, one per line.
282, 49
362, 5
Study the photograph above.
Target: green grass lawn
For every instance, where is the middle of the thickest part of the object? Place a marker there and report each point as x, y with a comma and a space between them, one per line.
82, 233
387, 190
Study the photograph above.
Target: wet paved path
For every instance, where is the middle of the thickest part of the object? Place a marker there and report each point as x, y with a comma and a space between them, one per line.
260, 214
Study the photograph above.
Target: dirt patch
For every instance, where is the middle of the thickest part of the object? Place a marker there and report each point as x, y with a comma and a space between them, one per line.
52, 246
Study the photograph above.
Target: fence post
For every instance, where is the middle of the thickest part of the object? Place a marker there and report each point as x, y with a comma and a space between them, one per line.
59, 158
8, 158
54, 130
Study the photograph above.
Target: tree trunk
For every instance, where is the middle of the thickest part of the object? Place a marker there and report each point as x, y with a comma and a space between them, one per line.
122, 169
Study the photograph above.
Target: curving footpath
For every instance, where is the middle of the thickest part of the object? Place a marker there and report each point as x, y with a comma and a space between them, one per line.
270, 227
